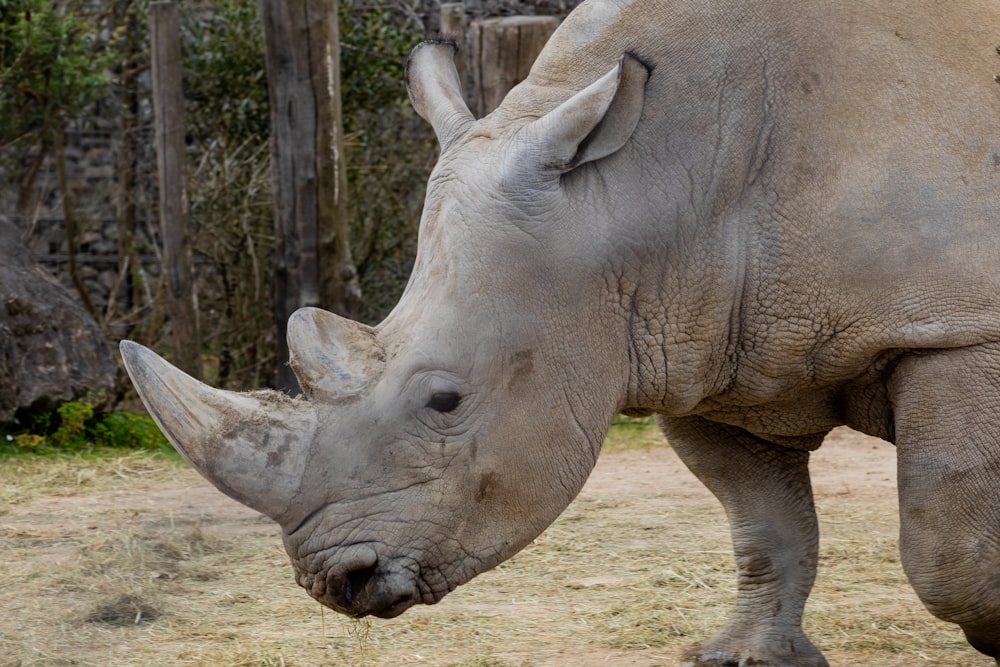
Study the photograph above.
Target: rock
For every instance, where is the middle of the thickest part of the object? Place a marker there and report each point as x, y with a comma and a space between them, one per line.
51, 350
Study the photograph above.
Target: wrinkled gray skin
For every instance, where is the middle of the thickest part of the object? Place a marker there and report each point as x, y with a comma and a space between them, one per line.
777, 218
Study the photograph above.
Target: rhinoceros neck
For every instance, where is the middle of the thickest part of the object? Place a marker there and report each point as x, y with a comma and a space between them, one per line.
676, 319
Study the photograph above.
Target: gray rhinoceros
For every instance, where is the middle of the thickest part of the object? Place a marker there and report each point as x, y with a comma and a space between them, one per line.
755, 219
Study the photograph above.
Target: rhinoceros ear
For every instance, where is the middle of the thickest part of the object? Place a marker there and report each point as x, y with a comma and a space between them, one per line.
332, 356
435, 90
252, 447
595, 122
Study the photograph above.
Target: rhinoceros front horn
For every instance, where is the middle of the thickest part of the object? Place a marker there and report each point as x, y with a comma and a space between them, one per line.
252, 446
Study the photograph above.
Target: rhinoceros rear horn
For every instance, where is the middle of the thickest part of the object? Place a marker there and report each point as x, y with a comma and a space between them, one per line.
333, 357
251, 446
595, 122
435, 90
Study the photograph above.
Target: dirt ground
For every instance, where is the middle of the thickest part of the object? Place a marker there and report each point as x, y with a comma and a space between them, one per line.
142, 563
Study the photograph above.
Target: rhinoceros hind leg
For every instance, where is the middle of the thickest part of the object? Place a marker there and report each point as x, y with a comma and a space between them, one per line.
767, 496
947, 420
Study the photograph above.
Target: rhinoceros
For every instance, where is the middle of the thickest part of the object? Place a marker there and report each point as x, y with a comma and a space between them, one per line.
755, 219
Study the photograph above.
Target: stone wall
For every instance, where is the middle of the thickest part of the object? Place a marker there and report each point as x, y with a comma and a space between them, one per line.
92, 150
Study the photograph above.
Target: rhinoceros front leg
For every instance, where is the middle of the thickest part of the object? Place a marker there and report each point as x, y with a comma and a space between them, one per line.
767, 496
947, 417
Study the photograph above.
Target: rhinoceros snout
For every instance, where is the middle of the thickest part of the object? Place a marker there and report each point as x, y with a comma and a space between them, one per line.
369, 592
362, 585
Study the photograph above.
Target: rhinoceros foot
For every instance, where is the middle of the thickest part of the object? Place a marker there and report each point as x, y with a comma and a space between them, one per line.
788, 652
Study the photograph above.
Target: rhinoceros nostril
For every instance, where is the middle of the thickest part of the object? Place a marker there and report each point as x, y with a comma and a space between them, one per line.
355, 582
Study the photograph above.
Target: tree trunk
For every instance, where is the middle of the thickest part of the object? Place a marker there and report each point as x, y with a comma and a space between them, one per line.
168, 108
313, 263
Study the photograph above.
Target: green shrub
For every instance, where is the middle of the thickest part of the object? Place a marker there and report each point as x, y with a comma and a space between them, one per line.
127, 429
76, 426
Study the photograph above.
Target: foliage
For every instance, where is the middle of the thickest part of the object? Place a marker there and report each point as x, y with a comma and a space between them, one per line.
375, 39
50, 68
102, 50
127, 429
227, 116
76, 426
225, 86
390, 150
72, 420
389, 153
231, 200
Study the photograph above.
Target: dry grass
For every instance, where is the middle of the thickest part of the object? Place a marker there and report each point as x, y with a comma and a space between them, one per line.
134, 566
24, 479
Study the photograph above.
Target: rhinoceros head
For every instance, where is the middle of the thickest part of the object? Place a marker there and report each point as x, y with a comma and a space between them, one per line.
430, 448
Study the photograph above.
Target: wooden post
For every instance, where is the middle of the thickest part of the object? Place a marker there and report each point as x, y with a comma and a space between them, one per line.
307, 166
168, 112
502, 51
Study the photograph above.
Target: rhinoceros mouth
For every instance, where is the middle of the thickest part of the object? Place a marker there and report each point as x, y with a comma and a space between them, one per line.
382, 594
395, 609
384, 590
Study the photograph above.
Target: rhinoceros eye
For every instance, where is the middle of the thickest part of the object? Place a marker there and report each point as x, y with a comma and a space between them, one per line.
444, 401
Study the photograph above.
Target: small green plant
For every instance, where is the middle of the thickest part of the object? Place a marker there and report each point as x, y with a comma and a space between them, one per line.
27, 440
71, 432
